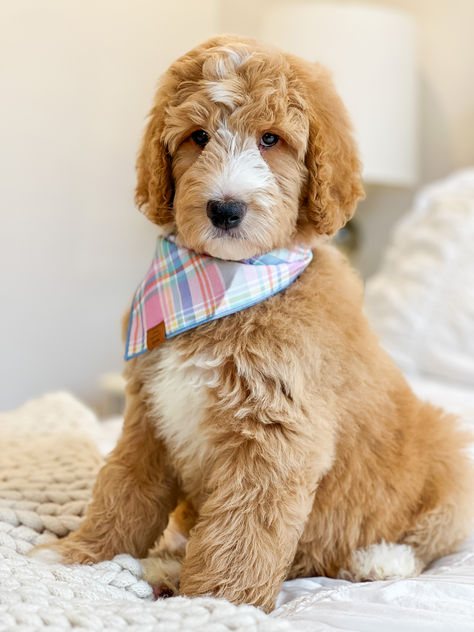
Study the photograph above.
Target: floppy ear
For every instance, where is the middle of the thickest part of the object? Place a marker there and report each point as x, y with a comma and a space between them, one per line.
334, 171
154, 191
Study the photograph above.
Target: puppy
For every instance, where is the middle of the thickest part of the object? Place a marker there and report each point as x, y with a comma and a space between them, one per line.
297, 443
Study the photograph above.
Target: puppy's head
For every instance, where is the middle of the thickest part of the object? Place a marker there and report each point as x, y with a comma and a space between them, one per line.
247, 149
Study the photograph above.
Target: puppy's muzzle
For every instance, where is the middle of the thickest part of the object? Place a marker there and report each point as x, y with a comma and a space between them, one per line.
226, 214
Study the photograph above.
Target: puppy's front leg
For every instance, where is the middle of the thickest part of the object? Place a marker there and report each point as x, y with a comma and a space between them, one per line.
132, 498
248, 528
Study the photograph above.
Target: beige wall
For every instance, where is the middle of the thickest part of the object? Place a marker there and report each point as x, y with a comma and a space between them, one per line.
76, 79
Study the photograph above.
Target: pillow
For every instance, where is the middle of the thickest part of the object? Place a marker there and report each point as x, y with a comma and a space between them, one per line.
421, 302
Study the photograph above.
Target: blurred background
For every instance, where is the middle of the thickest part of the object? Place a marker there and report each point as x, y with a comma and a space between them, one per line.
77, 80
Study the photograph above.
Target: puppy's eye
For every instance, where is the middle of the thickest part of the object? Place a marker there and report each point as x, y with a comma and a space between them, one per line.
200, 137
269, 139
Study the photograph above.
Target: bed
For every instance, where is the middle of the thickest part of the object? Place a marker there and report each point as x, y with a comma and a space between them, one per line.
421, 303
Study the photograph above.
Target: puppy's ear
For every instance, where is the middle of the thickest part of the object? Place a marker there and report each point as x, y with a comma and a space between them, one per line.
155, 188
154, 191
334, 171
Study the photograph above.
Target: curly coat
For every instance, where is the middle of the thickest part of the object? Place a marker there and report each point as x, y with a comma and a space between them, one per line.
293, 436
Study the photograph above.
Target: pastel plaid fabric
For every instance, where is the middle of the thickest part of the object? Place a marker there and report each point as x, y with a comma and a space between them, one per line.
183, 289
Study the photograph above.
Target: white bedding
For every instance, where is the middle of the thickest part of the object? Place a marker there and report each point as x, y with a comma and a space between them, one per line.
440, 599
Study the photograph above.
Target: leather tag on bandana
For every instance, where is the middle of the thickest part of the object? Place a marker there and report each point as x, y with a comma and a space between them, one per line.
155, 336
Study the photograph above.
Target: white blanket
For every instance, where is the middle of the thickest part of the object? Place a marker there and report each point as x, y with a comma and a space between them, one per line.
441, 599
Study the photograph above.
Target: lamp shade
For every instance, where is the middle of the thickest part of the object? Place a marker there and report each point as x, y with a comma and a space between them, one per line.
371, 54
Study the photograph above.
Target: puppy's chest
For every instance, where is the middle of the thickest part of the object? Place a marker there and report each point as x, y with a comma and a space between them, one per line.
178, 392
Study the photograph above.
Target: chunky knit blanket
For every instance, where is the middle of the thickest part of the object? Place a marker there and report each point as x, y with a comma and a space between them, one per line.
48, 462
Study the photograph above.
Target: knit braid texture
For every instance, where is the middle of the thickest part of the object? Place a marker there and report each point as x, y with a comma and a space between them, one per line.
48, 464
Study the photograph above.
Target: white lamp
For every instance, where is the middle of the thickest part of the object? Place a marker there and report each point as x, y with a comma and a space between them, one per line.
371, 53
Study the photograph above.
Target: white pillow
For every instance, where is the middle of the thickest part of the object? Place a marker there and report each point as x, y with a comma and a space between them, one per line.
421, 302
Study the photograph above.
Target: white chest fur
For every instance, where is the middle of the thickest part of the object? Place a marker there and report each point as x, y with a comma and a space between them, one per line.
178, 393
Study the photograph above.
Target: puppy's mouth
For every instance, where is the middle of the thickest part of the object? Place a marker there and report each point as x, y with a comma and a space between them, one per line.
226, 233
227, 244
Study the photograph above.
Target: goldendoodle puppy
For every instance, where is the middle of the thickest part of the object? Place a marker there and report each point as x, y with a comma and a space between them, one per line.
295, 440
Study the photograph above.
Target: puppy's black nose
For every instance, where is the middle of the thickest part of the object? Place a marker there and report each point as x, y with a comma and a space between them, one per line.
226, 214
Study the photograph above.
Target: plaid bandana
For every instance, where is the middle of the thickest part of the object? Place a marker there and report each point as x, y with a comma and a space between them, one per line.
183, 289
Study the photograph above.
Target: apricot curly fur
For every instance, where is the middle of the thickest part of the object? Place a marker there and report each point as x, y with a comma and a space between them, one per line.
290, 432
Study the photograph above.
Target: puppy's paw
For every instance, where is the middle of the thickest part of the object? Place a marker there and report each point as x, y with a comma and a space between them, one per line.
386, 560
65, 551
162, 573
